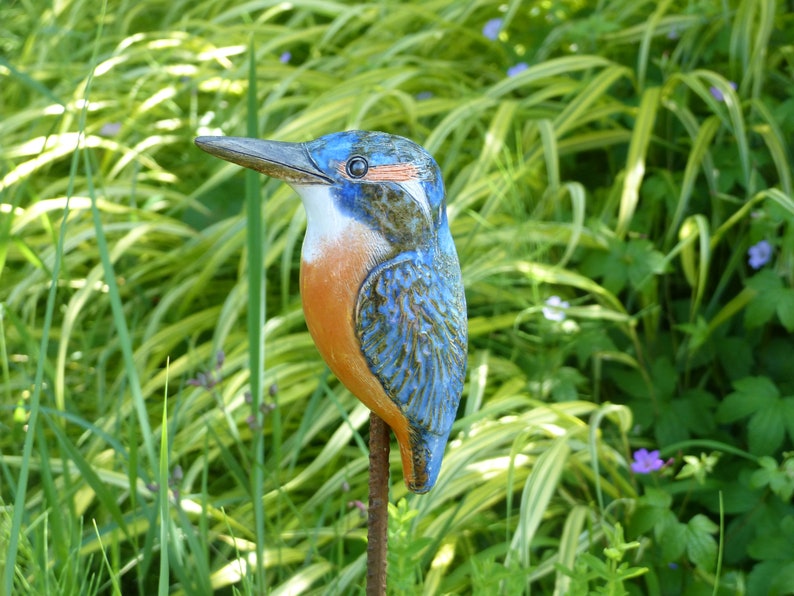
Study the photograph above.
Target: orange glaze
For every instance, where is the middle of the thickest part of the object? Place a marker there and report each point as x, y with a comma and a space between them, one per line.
329, 290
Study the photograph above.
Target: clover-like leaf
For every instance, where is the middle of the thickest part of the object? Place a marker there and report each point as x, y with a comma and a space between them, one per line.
751, 395
701, 547
771, 299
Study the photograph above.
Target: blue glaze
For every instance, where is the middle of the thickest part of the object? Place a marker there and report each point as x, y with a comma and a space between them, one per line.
383, 205
411, 318
411, 311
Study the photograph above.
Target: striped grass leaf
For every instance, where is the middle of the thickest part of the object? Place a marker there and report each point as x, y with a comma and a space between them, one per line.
696, 262
731, 115
696, 161
769, 130
635, 161
754, 22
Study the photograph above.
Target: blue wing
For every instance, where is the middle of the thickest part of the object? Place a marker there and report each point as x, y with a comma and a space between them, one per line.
411, 320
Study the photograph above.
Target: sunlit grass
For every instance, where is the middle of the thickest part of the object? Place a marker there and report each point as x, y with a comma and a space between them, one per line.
138, 450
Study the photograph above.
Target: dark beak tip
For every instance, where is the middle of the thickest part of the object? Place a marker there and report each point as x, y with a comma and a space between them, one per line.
203, 142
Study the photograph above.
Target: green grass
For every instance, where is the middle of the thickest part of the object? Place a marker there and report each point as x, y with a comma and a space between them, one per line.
142, 283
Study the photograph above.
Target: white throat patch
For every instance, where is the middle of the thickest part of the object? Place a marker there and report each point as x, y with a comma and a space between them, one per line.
327, 226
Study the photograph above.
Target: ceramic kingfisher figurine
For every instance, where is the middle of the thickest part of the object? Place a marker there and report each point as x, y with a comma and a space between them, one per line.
380, 280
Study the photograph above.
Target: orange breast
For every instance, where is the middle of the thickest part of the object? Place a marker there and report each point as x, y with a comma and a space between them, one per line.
329, 290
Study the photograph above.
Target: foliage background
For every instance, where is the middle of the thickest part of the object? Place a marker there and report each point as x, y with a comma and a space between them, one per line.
623, 156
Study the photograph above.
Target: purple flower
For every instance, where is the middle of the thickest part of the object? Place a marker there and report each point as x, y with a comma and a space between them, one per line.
514, 70
717, 93
423, 95
202, 380
555, 308
358, 505
759, 254
492, 28
285, 57
110, 129
646, 461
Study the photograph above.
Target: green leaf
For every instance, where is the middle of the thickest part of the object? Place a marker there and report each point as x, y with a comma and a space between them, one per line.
644, 262
760, 386
631, 261
751, 395
670, 427
785, 309
766, 430
763, 306
771, 299
788, 417
607, 266
779, 479
760, 310
655, 497
701, 547
736, 356
635, 160
671, 537
783, 580
764, 281
775, 547
761, 578
652, 509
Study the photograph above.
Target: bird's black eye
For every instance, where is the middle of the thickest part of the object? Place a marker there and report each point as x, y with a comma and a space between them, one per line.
357, 167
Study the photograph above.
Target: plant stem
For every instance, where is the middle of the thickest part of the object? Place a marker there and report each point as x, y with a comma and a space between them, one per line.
378, 512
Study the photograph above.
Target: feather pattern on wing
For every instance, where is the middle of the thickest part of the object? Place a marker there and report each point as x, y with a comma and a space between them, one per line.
411, 319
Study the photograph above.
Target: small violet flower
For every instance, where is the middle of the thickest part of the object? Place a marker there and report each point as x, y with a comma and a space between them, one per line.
492, 28
208, 380
253, 423
110, 129
718, 94
518, 68
646, 461
759, 254
285, 57
555, 308
358, 505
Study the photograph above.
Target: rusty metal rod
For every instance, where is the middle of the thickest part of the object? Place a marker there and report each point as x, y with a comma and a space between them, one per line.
378, 511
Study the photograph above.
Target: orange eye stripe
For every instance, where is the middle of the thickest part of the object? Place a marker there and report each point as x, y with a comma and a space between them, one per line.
399, 172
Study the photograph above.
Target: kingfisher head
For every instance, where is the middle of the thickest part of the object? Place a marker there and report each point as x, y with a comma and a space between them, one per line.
387, 183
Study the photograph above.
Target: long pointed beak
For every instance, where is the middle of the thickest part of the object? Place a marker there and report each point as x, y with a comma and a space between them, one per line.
289, 162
